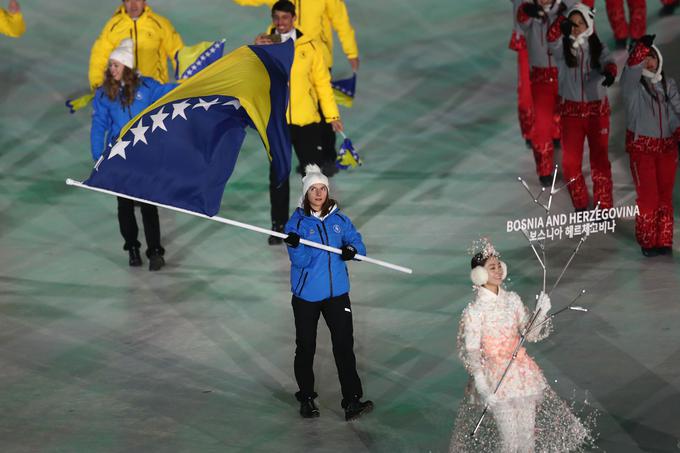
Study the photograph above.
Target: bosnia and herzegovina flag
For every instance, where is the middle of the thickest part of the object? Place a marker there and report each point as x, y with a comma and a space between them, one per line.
182, 149
344, 90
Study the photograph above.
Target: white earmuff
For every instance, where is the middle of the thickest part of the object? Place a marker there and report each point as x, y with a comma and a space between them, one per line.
479, 275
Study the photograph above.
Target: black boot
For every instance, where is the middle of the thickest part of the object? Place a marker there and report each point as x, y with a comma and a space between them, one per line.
355, 409
621, 44
275, 240
650, 252
135, 258
668, 10
546, 180
665, 250
156, 260
308, 409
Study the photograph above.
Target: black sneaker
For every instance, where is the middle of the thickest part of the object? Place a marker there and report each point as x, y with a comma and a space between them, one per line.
135, 257
308, 409
650, 252
356, 409
156, 261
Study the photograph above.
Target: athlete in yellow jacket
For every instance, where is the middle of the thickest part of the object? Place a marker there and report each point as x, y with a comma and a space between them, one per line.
12, 21
316, 19
310, 83
154, 36
310, 86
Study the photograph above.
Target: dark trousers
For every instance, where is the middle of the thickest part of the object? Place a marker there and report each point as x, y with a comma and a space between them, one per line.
308, 144
129, 230
338, 315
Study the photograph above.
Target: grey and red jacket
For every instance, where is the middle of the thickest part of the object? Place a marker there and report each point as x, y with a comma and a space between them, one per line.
536, 35
517, 41
654, 113
580, 87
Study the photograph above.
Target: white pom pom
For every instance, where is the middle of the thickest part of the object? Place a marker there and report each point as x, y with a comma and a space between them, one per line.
312, 168
479, 275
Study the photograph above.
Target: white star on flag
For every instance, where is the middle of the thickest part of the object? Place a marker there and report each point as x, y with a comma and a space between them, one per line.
204, 104
234, 103
158, 119
178, 109
119, 149
139, 132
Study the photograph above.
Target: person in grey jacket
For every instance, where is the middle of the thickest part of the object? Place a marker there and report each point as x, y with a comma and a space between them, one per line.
586, 69
525, 108
652, 106
534, 18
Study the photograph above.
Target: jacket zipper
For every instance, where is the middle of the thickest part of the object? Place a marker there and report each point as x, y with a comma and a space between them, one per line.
330, 273
303, 284
136, 50
583, 57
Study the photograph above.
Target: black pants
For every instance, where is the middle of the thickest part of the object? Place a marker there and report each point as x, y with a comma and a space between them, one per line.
129, 230
338, 315
308, 144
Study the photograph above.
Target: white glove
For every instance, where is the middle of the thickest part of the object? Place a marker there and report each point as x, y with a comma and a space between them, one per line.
484, 390
543, 304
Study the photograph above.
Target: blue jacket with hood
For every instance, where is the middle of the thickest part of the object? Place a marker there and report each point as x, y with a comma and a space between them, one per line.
110, 116
316, 275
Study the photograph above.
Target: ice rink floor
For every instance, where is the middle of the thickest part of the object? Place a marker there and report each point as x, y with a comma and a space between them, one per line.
96, 356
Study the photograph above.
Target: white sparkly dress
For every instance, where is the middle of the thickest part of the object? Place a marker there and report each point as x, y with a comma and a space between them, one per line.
527, 416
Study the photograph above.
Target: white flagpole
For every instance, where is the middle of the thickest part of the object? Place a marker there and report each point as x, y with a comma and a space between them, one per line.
247, 226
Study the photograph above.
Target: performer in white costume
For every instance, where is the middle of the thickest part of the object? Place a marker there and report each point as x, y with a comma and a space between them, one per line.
527, 415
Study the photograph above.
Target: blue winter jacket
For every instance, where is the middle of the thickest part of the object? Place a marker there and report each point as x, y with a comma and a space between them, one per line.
110, 116
316, 275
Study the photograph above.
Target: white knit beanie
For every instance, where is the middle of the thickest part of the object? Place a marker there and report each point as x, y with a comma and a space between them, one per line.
124, 53
313, 176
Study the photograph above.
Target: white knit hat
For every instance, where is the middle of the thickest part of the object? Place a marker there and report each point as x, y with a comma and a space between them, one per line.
589, 16
655, 77
313, 176
124, 53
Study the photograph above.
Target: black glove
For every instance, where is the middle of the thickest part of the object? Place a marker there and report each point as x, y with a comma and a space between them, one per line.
566, 27
292, 240
647, 40
609, 79
532, 10
348, 252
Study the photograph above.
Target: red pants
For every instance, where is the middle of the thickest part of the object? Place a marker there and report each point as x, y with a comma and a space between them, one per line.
547, 118
574, 131
637, 10
653, 163
524, 103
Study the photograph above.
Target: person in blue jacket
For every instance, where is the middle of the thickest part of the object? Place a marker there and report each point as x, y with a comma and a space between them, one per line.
320, 285
121, 97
